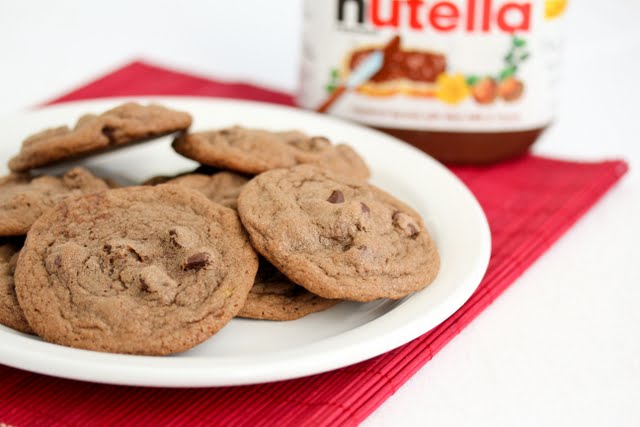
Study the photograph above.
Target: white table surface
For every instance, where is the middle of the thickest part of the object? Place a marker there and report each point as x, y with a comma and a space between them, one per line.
559, 347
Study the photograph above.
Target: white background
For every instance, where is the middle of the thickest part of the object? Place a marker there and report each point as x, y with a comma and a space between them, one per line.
562, 345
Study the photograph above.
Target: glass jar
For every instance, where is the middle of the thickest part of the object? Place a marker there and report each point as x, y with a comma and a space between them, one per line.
468, 81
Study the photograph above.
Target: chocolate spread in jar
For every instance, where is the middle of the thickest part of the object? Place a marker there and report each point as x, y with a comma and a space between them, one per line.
468, 81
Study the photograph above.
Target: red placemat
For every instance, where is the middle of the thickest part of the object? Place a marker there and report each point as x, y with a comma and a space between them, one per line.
530, 203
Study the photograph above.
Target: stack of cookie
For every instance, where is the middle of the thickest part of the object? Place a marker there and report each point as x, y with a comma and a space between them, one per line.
273, 225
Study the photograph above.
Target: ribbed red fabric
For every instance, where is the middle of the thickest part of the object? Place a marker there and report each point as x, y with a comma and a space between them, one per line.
530, 202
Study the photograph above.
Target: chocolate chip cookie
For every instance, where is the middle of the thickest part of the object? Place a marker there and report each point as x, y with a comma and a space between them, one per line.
274, 297
253, 151
24, 198
139, 270
120, 126
338, 237
10, 312
222, 187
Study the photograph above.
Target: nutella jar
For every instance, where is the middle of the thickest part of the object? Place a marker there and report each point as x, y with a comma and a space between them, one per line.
468, 81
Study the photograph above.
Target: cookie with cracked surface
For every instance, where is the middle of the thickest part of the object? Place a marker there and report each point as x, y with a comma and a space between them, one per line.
11, 314
138, 270
253, 151
23, 198
222, 187
92, 134
275, 297
340, 238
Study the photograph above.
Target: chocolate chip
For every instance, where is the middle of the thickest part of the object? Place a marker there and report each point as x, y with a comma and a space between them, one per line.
336, 197
57, 262
405, 223
108, 131
196, 262
364, 208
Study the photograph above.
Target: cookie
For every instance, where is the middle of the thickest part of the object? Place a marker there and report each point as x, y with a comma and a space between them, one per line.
11, 314
138, 270
222, 187
253, 151
338, 237
24, 198
274, 297
92, 134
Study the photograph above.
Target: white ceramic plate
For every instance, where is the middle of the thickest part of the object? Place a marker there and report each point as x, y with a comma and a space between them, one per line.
251, 351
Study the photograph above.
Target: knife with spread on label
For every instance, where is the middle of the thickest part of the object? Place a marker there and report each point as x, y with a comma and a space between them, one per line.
363, 72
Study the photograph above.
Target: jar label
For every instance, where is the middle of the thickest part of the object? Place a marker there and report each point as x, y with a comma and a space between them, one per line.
444, 65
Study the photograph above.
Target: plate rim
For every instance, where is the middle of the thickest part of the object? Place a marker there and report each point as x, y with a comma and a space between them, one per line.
140, 370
